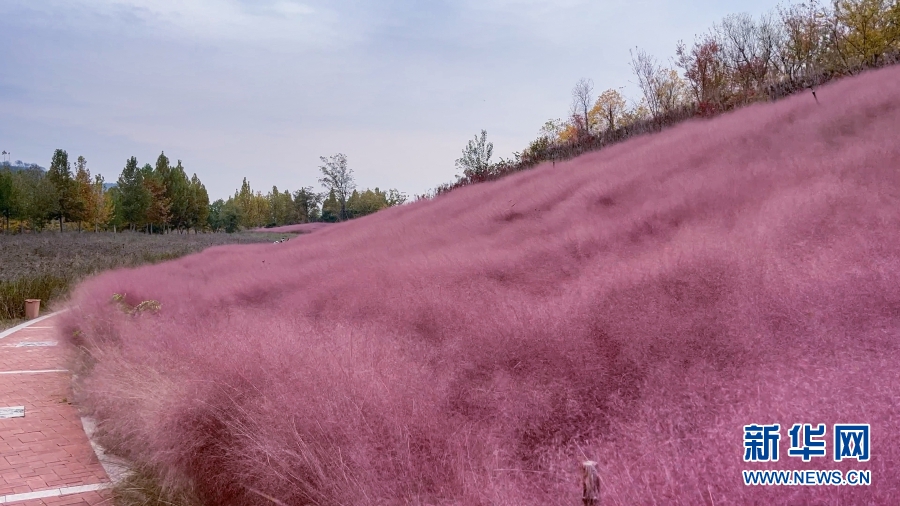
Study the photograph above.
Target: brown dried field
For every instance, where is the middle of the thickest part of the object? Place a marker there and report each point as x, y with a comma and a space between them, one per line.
44, 266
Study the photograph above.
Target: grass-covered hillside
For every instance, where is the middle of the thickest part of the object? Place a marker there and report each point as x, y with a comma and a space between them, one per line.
635, 306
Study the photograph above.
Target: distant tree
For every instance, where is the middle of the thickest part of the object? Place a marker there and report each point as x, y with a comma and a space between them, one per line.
261, 211
551, 130
116, 218
571, 129
103, 205
372, 200
637, 112
672, 90
231, 216
663, 90
243, 199
475, 161
198, 210
162, 167
893, 17
337, 178
158, 211
864, 30
214, 215
281, 207
60, 176
802, 51
608, 110
395, 197
39, 198
331, 208
162, 173
83, 203
748, 49
306, 204
134, 198
178, 193
354, 209
704, 68
582, 98
8, 195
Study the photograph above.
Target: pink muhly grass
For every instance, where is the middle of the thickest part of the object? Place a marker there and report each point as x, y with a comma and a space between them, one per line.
297, 228
636, 306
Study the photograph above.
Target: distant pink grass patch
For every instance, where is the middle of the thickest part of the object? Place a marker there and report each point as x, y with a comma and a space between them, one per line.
299, 228
635, 306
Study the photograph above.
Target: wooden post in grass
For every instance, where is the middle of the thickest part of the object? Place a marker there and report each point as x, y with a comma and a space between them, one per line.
591, 482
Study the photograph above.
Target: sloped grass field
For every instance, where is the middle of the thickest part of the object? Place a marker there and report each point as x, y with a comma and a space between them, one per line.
46, 265
635, 306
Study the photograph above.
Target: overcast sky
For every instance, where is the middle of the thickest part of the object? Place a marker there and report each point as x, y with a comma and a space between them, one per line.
261, 89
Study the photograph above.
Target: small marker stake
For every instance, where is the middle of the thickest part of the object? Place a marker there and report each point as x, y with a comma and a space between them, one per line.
591, 482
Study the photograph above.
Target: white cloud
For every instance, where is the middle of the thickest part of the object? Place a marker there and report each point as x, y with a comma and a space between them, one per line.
291, 9
226, 20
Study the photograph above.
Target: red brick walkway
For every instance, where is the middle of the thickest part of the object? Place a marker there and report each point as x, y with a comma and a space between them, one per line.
45, 456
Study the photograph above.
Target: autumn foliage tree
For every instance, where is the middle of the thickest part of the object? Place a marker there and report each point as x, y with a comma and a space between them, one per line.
608, 110
705, 73
864, 30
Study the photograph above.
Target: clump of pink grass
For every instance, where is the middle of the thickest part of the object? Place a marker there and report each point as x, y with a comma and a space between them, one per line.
635, 306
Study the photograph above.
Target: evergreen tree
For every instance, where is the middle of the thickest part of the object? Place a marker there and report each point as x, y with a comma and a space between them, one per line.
353, 206
178, 191
214, 215
331, 208
199, 204
288, 214
83, 204
306, 204
133, 197
60, 176
274, 208
231, 216
243, 199
8, 195
102, 202
39, 198
162, 172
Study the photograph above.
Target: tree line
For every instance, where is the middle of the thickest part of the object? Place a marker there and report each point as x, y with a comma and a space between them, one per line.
35, 197
340, 201
739, 61
161, 198
148, 198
